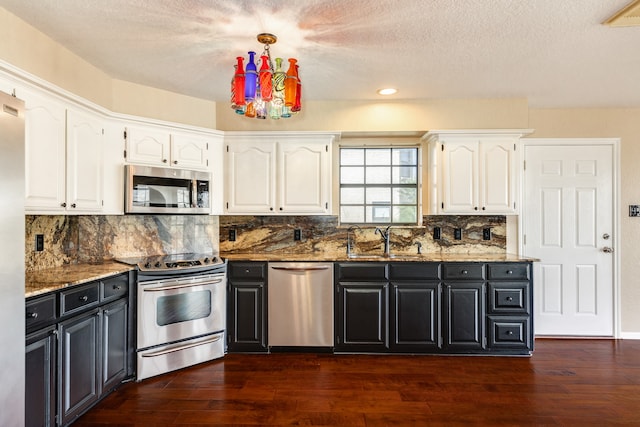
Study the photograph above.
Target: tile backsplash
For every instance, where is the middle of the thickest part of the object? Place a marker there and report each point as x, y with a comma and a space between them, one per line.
323, 234
96, 238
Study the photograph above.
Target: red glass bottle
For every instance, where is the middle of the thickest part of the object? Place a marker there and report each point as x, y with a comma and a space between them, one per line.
238, 82
290, 84
266, 85
297, 105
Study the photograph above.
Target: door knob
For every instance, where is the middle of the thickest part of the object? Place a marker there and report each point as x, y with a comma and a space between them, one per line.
607, 249
605, 236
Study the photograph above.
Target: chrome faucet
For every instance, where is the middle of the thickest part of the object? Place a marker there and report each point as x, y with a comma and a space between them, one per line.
349, 230
385, 235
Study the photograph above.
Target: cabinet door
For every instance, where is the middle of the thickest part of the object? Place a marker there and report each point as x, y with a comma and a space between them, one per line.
114, 344
464, 312
304, 176
78, 379
247, 317
460, 176
251, 177
45, 159
415, 319
362, 316
148, 145
40, 363
189, 151
497, 172
85, 135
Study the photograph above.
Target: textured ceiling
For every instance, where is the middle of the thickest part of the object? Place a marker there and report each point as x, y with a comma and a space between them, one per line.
556, 53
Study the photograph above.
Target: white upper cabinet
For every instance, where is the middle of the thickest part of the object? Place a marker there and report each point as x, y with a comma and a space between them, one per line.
63, 157
85, 157
271, 173
473, 173
159, 146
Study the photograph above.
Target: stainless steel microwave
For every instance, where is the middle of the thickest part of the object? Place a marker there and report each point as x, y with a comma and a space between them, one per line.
154, 190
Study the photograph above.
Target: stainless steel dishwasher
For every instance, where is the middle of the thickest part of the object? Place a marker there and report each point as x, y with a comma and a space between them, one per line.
300, 296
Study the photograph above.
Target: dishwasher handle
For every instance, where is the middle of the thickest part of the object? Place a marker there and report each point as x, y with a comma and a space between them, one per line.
324, 267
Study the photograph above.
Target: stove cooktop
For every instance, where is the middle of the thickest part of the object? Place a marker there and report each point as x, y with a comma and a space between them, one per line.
172, 262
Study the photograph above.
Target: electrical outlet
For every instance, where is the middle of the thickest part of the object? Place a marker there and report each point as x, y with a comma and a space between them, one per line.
39, 242
232, 235
457, 233
436, 233
634, 210
486, 234
297, 234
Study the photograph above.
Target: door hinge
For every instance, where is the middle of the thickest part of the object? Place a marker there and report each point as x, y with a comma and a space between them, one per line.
227, 205
514, 146
207, 162
524, 165
484, 342
442, 147
326, 148
524, 239
125, 154
103, 131
125, 134
207, 146
227, 148
326, 205
442, 205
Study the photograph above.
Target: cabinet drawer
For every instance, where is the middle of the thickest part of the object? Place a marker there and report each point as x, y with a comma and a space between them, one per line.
78, 298
362, 271
509, 331
508, 297
414, 271
462, 271
508, 271
40, 311
247, 270
114, 287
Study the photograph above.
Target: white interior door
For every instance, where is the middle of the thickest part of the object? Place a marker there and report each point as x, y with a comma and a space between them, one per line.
568, 222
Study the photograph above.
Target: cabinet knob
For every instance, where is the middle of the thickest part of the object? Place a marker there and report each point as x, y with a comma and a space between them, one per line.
270, 209
83, 298
246, 271
32, 315
509, 332
63, 204
116, 287
509, 271
73, 205
175, 162
280, 208
483, 208
164, 160
464, 272
509, 299
475, 208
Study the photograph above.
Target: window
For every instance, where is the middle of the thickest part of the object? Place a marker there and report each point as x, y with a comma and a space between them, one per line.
379, 185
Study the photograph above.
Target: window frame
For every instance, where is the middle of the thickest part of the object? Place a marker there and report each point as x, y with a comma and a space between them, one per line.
417, 186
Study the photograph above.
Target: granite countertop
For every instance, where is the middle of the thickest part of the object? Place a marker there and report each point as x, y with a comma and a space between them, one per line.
55, 278
426, 257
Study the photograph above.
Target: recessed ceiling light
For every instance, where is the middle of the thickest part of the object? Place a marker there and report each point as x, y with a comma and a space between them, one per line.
387, 91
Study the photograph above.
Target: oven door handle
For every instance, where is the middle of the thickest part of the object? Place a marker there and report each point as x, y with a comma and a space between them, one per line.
186, 285
300, 268
182, 347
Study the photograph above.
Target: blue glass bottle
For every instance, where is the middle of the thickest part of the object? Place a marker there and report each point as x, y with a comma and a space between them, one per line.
251, 78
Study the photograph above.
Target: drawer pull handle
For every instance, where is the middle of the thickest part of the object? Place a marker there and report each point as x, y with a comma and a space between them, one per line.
32, 315
509, 271
509, 299
84, 298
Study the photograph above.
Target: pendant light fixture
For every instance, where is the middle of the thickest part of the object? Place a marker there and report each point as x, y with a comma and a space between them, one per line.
268, 91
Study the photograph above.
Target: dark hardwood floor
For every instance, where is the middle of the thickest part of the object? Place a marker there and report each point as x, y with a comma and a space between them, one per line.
565, 383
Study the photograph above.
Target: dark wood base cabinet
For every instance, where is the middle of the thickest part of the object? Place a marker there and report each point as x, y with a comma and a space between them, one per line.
247, 307
430, 307
79, 347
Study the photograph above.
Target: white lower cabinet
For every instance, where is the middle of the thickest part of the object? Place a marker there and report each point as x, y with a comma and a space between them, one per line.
63, 157
271, 173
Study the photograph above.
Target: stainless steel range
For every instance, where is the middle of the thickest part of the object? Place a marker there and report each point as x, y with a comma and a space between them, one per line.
181, 311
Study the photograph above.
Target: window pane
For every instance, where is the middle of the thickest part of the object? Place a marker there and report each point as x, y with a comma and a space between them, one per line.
378, 196
405, 175
379, 175
405, 156
352, 156
378, 156
352, 175
405, 214
352, 214
379, 214
405, 196
352, 196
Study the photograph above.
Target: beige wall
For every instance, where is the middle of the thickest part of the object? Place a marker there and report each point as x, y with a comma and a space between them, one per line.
28, 49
